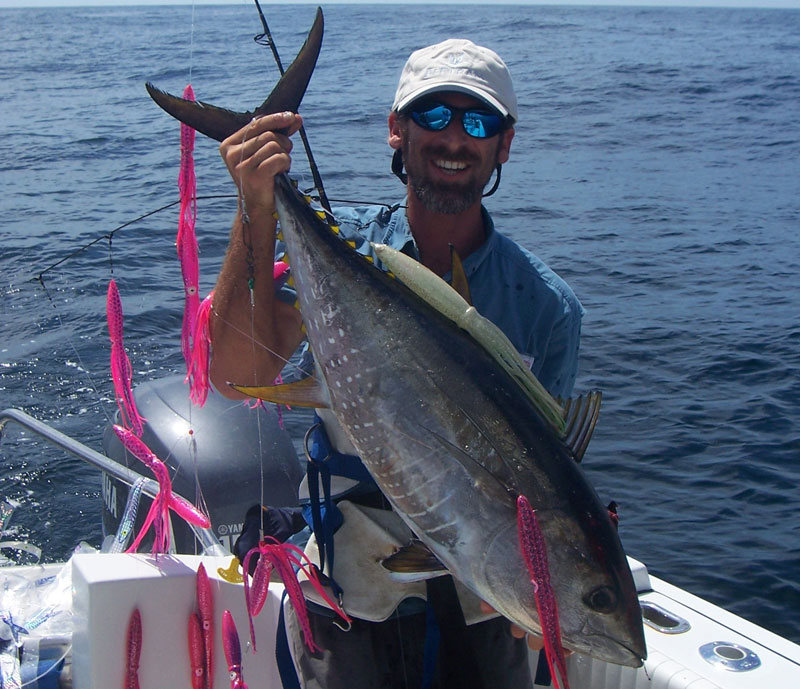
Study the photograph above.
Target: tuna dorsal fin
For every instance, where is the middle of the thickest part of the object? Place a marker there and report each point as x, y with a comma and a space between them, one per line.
220, 123
414, 562
458, 278
580, 415
307, 392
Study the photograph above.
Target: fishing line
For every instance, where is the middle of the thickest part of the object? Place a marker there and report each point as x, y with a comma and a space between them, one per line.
402, 650
265, 39
200, 500
75, 351
191, 46
111, 256
198, 492
40, 278
286, 362
109, 235
247, 241
34, 680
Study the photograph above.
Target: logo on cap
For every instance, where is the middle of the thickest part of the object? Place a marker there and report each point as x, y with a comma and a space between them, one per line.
457, 58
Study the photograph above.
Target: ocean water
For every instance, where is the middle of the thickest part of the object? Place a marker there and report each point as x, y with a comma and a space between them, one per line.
656, 167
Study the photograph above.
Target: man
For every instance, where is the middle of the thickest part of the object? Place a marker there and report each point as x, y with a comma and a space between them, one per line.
451, 127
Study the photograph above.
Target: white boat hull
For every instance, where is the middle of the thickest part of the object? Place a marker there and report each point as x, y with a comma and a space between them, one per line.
106, 588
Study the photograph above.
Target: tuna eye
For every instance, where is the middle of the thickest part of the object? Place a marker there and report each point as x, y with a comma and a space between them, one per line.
602, 599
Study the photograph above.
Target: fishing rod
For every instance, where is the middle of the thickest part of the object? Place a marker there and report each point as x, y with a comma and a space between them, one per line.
265, 39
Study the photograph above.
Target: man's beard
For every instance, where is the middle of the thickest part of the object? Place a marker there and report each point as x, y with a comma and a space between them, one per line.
441, 196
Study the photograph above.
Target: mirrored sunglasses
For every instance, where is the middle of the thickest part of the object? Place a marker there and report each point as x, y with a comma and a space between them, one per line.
481, 124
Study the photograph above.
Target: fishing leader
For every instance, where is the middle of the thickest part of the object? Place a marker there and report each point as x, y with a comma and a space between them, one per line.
451, 126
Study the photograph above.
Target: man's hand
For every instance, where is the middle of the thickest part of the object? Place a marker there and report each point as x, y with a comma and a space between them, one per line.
535, 642
253, 155
256, 153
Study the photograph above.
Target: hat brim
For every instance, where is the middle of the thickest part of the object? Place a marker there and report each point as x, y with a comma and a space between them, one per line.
451, 87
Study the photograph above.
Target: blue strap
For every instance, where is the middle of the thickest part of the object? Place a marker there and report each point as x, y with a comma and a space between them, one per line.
322, 527
458, 663
338, 464
543, 671
324, 462
430, 655
283, 656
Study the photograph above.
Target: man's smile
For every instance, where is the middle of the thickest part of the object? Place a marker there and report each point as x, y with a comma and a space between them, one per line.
450, 165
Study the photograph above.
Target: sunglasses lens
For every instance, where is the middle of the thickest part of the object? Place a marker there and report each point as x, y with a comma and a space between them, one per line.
434, 119
477, 123
481, 125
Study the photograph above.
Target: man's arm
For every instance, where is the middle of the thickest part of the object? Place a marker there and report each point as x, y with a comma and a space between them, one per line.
253, 334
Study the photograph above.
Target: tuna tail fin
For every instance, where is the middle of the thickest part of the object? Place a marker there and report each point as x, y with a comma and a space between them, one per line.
219, 123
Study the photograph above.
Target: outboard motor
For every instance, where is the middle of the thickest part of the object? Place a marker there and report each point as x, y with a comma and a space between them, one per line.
231, 447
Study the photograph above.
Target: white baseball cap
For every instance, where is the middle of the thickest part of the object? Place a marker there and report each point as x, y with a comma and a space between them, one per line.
457, 65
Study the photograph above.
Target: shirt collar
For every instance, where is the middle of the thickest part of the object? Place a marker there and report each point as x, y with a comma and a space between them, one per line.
398, 233
398, 236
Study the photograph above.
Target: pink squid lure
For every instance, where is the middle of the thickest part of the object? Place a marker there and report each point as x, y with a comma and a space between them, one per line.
186, 242
534, 551
121, 371
197, 371
233, 650
205, 613
285, 559
133, 651
199, 359
164, 501
197, 653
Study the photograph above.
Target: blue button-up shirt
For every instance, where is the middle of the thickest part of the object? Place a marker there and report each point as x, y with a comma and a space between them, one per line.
509, 285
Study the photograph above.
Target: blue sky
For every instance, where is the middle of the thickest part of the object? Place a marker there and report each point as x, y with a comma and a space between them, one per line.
792, 4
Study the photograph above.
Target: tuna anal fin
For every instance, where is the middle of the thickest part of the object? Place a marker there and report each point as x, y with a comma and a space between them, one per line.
414, 562
303, 393
581, 415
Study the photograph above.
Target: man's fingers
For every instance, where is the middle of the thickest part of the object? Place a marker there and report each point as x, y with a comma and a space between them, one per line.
288, 121
256, 142
535, 643
271, 152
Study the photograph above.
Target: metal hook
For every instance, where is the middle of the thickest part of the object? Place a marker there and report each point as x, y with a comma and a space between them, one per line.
344, 625
306, 438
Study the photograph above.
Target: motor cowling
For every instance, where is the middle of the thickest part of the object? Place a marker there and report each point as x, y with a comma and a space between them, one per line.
237, 455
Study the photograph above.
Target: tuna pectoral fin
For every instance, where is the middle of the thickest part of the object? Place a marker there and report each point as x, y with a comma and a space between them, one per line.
219, 123
414, 562
302, 393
